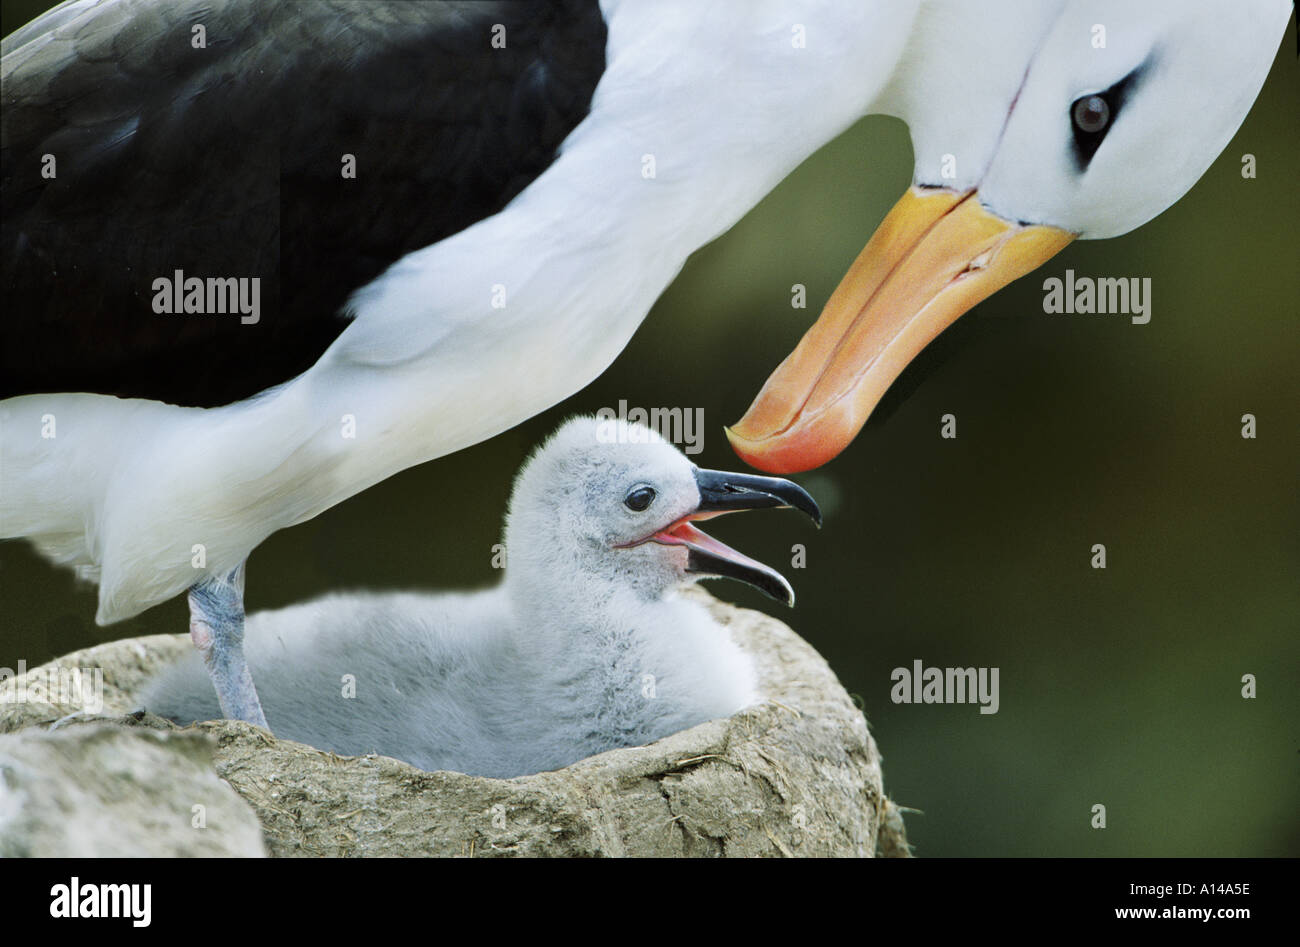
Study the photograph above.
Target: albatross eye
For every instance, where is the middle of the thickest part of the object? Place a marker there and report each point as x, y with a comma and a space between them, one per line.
640, 498
1091, 114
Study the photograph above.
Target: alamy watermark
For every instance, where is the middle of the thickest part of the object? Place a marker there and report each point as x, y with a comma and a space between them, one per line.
1083, 294
179, 293
132, 901
922, 685
681, 426
70, 687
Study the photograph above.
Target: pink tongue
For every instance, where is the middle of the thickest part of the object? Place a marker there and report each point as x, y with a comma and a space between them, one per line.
684, 534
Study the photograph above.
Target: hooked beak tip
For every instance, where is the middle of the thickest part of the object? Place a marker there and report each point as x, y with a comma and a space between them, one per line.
724, 492
937, 254
794, 451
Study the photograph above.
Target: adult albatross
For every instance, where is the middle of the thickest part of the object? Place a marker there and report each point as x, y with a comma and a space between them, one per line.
457, 214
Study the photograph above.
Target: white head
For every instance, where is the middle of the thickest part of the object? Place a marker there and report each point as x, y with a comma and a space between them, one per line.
1103, 138
604, 507
1033, 122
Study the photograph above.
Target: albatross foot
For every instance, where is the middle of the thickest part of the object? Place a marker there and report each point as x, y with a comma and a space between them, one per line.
217, 630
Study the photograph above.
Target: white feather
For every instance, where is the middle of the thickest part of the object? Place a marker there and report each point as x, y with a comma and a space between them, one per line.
727, 103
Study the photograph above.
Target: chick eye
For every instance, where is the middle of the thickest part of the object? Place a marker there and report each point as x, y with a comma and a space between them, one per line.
640, 498
1091, 114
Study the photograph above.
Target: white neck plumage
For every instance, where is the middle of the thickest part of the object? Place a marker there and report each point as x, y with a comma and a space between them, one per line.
701, 111
569, 270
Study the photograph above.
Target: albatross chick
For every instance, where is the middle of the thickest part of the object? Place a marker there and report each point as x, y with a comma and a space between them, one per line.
584, 646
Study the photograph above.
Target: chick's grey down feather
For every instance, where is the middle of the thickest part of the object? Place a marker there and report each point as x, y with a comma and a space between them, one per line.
583, 647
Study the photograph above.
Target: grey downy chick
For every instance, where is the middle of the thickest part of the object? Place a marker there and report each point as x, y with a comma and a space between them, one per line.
584, 646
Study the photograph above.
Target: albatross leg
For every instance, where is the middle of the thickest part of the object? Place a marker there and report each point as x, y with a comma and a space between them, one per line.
217, 630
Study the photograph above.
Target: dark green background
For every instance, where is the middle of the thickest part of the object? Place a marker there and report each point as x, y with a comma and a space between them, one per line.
1119, 687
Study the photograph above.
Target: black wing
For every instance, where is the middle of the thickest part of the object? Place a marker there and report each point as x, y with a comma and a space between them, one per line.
226, 161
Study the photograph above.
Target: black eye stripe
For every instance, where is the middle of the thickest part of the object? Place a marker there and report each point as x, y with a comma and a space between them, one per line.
1093, 115
639, 499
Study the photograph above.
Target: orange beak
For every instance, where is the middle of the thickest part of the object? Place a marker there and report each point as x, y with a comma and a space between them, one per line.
936, 255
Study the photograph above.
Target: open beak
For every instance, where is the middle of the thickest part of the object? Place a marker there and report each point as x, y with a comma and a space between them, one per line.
937, 253
722, 492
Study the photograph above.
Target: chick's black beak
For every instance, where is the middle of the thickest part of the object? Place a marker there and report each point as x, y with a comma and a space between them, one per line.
722, 492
